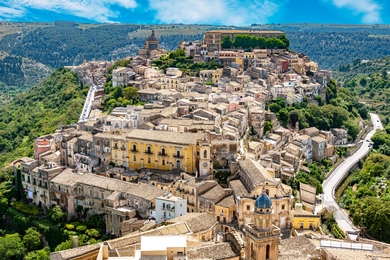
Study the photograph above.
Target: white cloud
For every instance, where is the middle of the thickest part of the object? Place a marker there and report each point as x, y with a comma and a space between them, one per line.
10, 13
370, 9
97, 10
229, 12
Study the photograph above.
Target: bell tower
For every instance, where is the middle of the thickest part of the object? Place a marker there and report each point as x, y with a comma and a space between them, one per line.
262, 237
205, 164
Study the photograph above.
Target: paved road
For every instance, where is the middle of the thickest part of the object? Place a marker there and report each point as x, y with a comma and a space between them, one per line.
338, 175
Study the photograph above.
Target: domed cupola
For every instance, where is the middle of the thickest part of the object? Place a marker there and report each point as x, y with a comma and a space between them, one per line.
263, 203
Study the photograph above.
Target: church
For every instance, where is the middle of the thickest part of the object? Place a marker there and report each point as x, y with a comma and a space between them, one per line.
151, 47
262, 237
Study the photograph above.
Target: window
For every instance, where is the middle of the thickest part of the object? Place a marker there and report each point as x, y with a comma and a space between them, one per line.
102, 195
248, 207
46, 184
134, 147
22, 177
283, 206
40, 183
135, 158
163, 162
149, 149
163, 151
59, 187
34, 181
79, 190
205, 154
178, 153
148, 159
28, 179
90, 193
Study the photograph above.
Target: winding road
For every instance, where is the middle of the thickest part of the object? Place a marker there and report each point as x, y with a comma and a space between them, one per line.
332, 182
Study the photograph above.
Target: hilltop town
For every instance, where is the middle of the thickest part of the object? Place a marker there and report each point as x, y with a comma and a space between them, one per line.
201, 158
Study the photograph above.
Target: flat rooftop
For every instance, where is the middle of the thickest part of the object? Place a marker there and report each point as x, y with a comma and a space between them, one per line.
161, 243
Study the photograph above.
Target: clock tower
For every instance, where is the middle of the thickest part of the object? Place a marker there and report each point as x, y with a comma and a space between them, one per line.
205, 163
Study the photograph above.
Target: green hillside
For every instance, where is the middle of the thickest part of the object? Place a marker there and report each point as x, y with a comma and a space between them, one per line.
369, 81
58, 100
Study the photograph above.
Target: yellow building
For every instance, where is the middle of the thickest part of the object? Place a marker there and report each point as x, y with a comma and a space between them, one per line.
303, 219
163, 150
225, 210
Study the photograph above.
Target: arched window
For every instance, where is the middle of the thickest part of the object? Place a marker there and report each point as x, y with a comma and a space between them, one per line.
134, 147
163, 162
149, 149
205, 154
163, 151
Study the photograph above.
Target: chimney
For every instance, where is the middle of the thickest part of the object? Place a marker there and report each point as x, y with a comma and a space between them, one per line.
75, 241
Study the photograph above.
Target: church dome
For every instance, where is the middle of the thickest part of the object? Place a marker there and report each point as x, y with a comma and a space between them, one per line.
152, 37
263, 201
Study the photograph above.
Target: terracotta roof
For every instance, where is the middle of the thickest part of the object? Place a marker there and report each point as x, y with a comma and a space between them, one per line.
179, 228
73, 253
215, 251
238, 187
196, 222
165, 136
70, 178
227, 202
214, 194
255, 171
299, 247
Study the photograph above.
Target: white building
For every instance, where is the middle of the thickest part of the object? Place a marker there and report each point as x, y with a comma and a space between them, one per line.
168, 207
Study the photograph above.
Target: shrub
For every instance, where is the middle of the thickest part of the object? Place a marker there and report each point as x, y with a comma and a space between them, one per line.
92, 233
81, 229
69, 226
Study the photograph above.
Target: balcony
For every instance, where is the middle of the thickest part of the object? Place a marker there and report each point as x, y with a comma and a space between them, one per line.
168, 209
162, 154
148, 152
178, 156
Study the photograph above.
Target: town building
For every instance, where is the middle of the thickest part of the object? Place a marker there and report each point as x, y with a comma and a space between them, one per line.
168, 207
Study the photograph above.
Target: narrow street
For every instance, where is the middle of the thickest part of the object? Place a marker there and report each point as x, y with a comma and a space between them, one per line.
331, 183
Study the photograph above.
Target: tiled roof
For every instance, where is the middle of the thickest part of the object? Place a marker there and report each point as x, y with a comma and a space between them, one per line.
73, 253
299, 247
179, 228
165, 136
214, 194
215, 251
255, 171
196, 222
70, 178
227, 202
238, 187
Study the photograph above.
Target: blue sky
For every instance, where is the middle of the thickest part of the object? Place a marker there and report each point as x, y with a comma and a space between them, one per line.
221, 12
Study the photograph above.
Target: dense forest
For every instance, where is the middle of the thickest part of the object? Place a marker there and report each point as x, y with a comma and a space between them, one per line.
67, 44
58, 100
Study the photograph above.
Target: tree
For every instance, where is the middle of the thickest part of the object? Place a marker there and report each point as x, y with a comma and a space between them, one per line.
130, 93
274, 107
294, 117
284, 116
267, 126
226, 42
11, 247
363, 81
56, 214
32, 239
19, 187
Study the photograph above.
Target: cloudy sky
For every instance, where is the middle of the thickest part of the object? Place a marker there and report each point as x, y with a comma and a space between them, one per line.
224, 12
